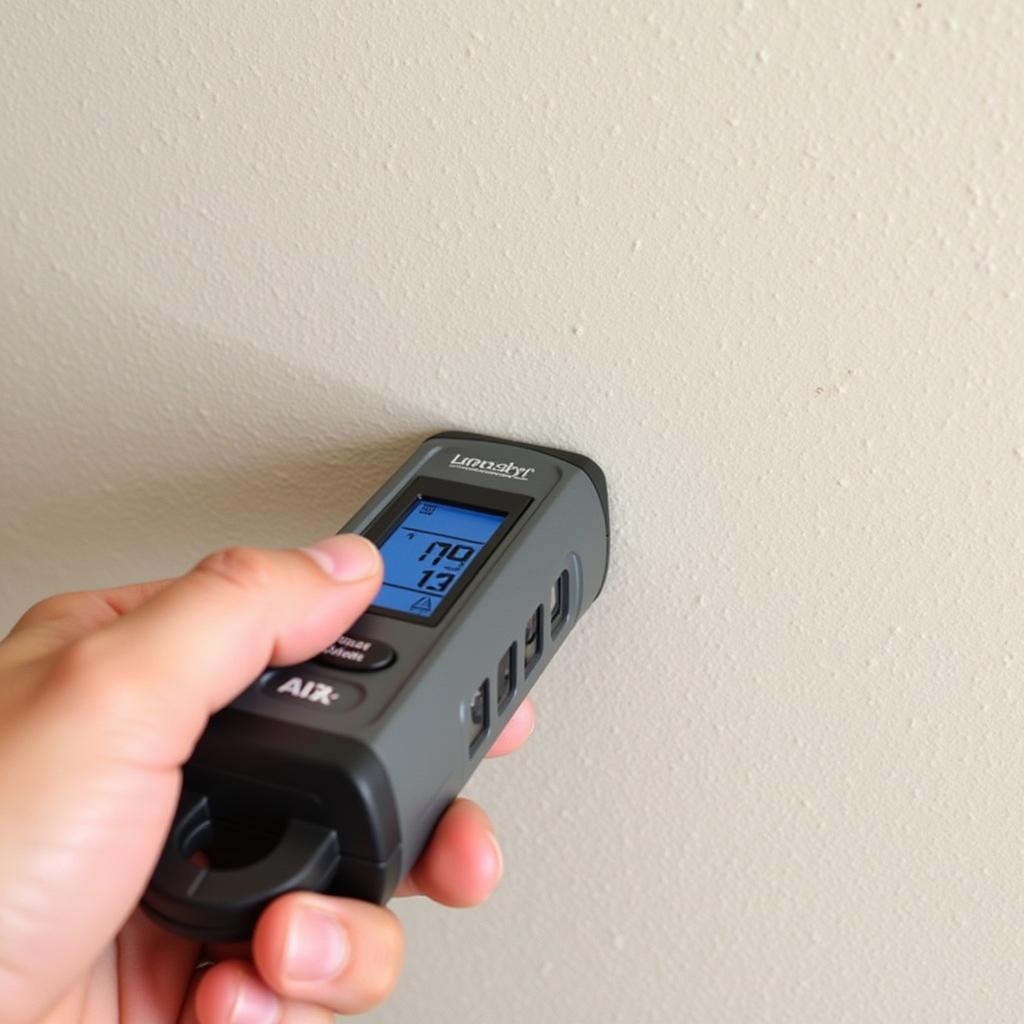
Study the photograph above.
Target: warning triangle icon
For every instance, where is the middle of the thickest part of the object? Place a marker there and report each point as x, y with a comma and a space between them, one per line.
424, 604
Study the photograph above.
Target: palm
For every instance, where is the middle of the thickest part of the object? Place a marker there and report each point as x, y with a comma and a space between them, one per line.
145, 975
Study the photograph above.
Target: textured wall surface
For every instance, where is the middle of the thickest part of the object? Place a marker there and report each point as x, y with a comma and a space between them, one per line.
762, 260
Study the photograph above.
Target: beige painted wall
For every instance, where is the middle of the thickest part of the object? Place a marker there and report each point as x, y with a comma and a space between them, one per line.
762, 260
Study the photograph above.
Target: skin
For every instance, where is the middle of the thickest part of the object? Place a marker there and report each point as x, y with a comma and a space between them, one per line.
103, 695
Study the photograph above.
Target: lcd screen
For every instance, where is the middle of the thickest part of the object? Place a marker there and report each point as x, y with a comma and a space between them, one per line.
429, 552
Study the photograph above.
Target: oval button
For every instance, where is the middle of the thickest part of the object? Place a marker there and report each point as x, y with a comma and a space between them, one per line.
312, 689
357, 654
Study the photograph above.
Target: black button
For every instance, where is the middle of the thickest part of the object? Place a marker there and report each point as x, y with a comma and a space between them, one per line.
357, 654
300, 685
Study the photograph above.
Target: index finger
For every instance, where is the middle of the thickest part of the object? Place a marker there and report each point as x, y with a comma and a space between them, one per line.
190, 649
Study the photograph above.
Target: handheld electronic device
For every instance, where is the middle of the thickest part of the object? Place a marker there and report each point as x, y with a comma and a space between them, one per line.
332, 774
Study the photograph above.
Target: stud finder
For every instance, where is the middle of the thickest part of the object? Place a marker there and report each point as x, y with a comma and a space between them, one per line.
331, 775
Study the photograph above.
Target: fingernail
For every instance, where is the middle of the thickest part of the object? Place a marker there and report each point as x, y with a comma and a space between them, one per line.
254, 1005
315, 946
346, 558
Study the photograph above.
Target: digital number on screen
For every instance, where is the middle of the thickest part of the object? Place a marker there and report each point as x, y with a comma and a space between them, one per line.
429, 552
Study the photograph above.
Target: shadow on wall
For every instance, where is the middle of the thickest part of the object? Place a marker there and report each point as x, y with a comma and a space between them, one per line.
161, 442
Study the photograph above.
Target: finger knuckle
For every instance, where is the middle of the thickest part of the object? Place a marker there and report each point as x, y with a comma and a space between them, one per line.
81, 662
47, 609
247, 569
92, 681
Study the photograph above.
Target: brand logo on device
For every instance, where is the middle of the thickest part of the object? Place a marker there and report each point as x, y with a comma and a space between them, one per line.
508, 470
309, 690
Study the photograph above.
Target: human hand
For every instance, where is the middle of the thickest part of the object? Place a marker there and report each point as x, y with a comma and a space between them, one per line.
102, 697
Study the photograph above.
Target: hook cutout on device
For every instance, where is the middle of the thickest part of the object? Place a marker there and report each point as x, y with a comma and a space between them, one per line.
245, 871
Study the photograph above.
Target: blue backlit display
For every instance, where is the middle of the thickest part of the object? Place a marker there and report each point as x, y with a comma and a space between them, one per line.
428, 553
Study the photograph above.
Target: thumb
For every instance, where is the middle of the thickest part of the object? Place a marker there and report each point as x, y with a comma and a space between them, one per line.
188, 651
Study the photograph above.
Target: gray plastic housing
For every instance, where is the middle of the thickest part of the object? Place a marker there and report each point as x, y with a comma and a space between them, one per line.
351, 790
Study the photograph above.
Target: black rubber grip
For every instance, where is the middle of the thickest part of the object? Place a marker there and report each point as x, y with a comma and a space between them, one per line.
214, 903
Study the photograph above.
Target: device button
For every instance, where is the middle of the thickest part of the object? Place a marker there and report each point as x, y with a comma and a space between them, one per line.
357, 654
318, 690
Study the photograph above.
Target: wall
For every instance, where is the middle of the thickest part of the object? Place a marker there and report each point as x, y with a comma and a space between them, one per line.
762, 260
